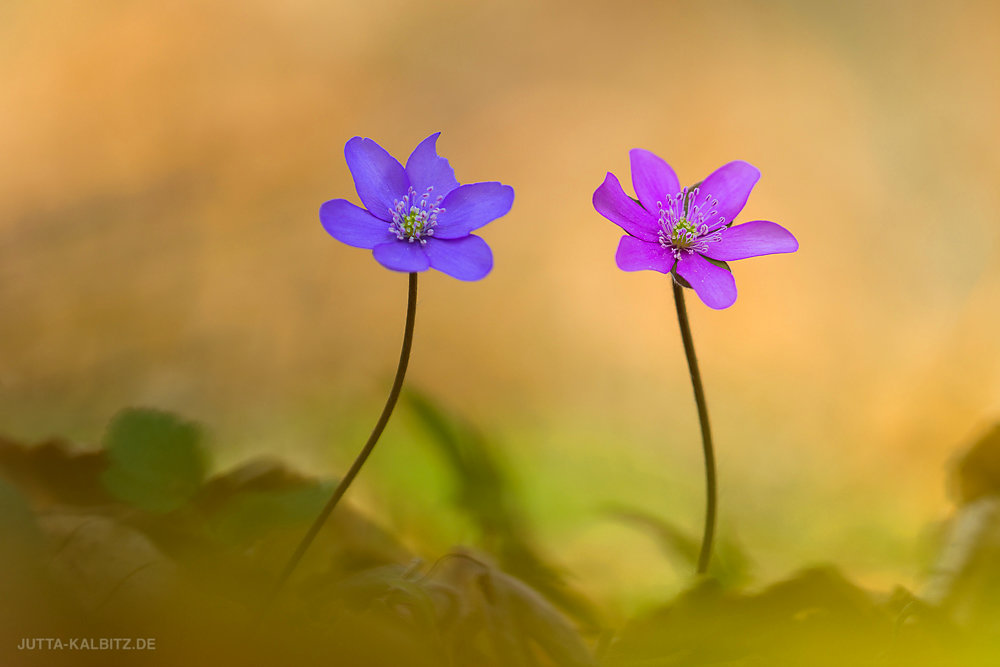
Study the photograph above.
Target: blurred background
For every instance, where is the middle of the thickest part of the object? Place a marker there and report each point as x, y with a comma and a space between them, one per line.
160, 246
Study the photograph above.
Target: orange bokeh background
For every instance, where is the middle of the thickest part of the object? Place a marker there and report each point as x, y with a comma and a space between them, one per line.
160, 245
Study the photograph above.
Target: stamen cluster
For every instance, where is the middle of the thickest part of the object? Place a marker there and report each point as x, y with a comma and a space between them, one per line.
687, 225
414, 218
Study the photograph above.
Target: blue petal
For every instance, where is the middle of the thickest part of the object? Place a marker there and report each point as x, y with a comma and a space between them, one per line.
426, 169
467, 258
469, 207
402, 256
353, 225
378, 177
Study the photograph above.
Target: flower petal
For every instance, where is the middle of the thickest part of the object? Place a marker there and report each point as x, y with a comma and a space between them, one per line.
467, 258
352, 224
731, 185
612, 202
469, 207
378, 177
653, 179
714, 285
752, 239
636, 255
426, 169
402, 256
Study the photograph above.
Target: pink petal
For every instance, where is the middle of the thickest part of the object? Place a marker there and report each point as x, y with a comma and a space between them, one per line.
612, 202
636, 255
715, 286
752, 239
731, 185
653, 179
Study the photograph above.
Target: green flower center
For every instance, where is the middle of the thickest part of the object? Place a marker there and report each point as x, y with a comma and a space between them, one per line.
684, 234
414, 217
412, 225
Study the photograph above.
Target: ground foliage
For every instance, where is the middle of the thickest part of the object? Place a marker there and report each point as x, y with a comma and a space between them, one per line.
136, 539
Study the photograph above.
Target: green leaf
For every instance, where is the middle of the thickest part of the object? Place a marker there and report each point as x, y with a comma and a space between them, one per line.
486, 494
253, 514
730, 565
157, 461
482, 484
717, 262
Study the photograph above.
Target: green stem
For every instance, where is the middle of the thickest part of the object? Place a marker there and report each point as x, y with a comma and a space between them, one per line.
705, 555
390, 403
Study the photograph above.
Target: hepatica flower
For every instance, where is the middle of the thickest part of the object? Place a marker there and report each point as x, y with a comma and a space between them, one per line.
416, 217
689, 231
689, 234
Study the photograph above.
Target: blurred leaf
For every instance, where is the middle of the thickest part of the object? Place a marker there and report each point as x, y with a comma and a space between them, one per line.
16, 517
510, 644
393, 587
497, 619
484, 494
482, 486
156, 461
30, 598
816, 618
250, 515
55, 471
730, 565
522, 560
536, 617
258, 474
22, 540
255, 515
107, 565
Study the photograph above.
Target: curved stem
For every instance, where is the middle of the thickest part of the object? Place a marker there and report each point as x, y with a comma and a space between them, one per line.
705, 555
390, 403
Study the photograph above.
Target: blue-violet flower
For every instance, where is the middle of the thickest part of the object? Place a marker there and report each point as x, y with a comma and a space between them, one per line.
682, 230
417, 217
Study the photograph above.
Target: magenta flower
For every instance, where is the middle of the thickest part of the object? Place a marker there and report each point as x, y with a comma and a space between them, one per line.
689, 231
417, 217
